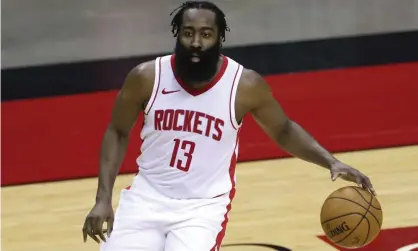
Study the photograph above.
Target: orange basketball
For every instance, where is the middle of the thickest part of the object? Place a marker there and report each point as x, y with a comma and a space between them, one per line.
351, 217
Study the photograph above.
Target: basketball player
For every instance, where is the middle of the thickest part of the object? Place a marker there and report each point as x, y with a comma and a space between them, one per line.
194, 102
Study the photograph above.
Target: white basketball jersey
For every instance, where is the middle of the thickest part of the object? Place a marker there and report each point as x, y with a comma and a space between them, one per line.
190, 137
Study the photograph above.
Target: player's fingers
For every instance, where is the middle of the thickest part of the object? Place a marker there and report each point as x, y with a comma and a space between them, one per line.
94, 237
373, 191
109, 226
98, 228
101, 235
85, 231
88, 230
360, 183
364, 183
84, 236
335, 175
369, 186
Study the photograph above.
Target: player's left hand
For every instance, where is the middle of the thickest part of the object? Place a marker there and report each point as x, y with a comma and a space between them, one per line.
345, 172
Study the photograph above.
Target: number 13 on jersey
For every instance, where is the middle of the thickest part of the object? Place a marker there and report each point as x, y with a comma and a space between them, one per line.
187, 148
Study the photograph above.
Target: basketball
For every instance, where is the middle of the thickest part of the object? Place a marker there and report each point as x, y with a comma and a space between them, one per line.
351, 217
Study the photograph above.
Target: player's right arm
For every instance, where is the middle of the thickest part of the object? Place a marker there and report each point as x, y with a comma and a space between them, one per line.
130, 101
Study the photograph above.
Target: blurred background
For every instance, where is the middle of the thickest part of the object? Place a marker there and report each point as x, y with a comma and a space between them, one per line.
346, 70
50, 32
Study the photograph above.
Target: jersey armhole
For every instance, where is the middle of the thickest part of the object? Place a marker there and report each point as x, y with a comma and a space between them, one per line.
234, 88
155, 87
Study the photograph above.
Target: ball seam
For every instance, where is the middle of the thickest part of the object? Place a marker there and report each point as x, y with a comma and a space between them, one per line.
358, 224
377, 208
374, 216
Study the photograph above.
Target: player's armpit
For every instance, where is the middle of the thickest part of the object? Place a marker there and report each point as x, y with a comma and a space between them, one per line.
132, 97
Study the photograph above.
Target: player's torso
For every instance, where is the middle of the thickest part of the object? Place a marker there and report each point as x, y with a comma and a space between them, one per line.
190, 138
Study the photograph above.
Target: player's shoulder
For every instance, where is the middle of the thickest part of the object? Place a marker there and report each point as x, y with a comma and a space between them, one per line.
141, 74
252, 82
139, 81
252, 89
144, 70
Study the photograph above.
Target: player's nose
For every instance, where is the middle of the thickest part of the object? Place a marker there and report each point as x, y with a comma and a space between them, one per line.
196, 43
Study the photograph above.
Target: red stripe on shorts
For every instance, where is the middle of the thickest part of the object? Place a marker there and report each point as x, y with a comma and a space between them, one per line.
221, 234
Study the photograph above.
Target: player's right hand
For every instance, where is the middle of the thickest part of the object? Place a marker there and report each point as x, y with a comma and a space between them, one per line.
93, 225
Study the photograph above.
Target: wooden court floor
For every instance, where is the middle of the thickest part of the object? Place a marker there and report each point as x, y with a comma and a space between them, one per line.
277, 202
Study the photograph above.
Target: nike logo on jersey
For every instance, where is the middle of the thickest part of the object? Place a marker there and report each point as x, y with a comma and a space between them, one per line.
188, 121
168, 92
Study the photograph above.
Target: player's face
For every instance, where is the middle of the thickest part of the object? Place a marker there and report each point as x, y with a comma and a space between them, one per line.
198, 46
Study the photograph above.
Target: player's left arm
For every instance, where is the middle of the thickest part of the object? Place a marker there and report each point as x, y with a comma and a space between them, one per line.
289, 135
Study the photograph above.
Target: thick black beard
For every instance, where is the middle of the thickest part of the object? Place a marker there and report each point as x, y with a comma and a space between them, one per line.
195, 73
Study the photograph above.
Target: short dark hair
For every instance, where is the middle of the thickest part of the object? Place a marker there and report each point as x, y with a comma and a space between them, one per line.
178, 17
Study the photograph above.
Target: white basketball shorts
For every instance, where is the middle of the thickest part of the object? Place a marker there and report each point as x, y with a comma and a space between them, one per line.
146, 220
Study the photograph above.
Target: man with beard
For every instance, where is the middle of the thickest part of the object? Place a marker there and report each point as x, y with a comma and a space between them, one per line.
194, 102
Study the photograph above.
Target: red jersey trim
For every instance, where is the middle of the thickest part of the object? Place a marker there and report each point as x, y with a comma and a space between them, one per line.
221, 234
235, 125
154, 95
